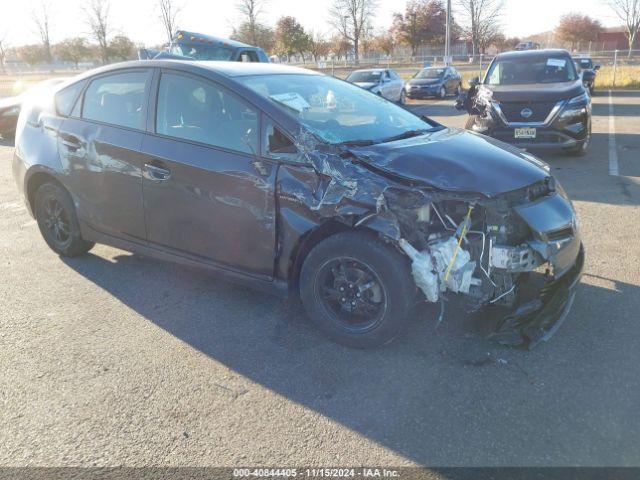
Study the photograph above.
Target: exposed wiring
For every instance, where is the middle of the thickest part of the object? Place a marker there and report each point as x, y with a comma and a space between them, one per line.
462, 235
503, 295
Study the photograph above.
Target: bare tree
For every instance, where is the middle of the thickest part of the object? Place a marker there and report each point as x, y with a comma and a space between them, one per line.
318, 46
251, 11
351, 18
97, 15
4, 46
482, 18
42, 19
169, 11
629, 13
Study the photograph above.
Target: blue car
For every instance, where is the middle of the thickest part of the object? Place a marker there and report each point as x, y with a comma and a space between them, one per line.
197, 46
434, 82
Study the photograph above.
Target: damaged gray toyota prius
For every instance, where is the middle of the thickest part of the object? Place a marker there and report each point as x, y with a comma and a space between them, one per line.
300, 183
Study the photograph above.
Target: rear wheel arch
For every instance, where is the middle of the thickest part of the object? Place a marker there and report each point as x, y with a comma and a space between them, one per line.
35, 181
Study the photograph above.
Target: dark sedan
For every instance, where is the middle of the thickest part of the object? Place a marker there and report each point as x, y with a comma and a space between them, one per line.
300, 184
434, 82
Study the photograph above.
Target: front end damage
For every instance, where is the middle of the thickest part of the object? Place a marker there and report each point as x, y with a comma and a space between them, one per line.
520, 250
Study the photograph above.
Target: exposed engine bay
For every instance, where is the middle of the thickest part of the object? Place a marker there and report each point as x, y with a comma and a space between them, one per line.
485, 252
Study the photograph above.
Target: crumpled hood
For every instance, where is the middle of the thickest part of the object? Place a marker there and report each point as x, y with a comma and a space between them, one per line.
536, 92
365, 85
456, 160
425, 81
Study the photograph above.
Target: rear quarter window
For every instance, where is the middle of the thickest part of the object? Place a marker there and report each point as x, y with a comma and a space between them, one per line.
66, 98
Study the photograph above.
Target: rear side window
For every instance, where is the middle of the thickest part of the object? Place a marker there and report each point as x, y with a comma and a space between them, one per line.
116, 99
248, 56
66, 98
198, 110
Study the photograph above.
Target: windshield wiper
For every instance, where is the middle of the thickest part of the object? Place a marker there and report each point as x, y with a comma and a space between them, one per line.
357, 143
407, 134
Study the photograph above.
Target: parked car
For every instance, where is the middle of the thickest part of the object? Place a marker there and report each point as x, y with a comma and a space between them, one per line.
381, 81
527, 46
198, 46
587, 71
434, 82
533, 99
300, 183
10, 106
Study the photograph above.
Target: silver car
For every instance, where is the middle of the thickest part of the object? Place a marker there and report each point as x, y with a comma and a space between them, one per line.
381, 81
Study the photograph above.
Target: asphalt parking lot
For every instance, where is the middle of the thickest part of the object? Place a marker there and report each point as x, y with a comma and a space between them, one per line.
115, 359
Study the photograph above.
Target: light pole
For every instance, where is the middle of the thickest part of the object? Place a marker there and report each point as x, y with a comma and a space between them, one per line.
447, 40
413, 34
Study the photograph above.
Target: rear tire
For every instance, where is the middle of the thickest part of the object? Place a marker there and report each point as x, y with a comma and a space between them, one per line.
57, 221
357, 290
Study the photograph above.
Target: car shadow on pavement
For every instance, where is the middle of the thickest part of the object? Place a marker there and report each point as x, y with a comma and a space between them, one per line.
452, 398
619, 109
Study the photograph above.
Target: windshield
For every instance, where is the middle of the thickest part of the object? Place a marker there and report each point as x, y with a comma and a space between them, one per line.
528, 69
365, 77
430, 73
202, 51
336, 111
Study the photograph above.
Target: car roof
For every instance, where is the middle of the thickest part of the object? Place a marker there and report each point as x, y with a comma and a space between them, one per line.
227, 69
533, 53
199, 37
370, 70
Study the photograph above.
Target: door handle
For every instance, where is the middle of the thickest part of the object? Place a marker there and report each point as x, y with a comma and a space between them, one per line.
157, 173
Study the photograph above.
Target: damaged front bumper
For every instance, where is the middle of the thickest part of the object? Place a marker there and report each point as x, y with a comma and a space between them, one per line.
537, 320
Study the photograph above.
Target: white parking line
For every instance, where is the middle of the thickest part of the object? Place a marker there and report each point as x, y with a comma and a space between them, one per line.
613, 150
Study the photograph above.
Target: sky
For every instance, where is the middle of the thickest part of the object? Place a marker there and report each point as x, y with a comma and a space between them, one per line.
138, 19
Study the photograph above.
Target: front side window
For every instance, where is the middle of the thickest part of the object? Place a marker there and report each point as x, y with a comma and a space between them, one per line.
275, 143
116, 99
526, 70
198, 110
334, 110
248, 56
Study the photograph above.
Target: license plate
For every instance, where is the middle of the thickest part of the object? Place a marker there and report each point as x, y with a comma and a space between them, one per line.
525, 133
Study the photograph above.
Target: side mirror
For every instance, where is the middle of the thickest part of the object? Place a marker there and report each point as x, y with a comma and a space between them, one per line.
597, 67
474, 81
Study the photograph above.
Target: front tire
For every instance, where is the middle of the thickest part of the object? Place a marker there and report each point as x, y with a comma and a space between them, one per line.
581, 150
357, 290
442, 93
403, 98
57, 221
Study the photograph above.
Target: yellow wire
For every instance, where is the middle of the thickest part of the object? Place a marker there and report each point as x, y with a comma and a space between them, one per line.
455, 253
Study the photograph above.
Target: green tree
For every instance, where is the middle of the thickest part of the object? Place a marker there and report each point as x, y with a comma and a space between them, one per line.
73, 50
262, 34
291, 37
122, 48
423, 22
576, 28
31, 54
